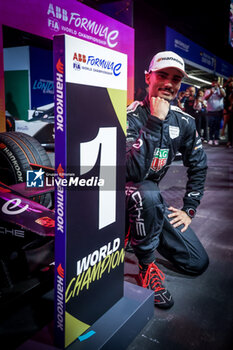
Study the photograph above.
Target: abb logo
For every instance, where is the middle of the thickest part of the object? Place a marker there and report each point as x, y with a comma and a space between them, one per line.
79, 57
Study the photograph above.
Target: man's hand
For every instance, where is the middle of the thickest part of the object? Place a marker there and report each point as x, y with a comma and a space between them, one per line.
180, 217
159, 107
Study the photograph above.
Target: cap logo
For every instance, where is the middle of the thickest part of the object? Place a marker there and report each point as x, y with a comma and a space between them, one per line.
170, 58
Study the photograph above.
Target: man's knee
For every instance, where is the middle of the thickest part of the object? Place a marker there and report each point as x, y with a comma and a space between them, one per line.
202, 265
146, 193
198, 266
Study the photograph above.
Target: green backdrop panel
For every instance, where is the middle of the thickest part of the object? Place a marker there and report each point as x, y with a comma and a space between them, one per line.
17, 93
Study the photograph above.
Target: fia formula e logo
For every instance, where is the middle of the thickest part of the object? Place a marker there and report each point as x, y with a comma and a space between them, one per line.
35, 178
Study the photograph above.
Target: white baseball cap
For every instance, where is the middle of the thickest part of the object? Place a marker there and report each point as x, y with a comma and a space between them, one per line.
167, 59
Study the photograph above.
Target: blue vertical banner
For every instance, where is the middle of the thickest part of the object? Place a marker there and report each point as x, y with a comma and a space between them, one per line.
60, 192
231, 24
196, 55
90, 114
224, 68
189, 50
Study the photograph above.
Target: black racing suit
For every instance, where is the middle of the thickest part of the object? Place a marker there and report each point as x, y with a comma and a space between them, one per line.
152, 145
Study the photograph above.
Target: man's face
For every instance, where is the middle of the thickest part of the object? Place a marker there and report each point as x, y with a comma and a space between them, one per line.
192, 91
164, 83
201, 93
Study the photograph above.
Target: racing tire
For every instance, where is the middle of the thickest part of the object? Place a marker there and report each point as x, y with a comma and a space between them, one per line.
17, 151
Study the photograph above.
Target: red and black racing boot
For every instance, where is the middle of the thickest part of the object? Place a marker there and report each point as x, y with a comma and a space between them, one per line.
152, 278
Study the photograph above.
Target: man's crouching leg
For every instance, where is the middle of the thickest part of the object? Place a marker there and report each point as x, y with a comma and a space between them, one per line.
145, 212
183, 249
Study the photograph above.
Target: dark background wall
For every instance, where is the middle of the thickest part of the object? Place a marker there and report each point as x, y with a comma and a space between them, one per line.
205, 22
150, 28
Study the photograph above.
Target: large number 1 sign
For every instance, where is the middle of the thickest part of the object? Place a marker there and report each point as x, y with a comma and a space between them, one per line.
105, 143
90, 147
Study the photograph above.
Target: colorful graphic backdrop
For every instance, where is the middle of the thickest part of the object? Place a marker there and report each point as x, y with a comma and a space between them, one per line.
52, 17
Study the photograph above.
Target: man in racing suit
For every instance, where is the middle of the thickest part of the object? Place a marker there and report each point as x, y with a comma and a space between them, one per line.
156, 131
